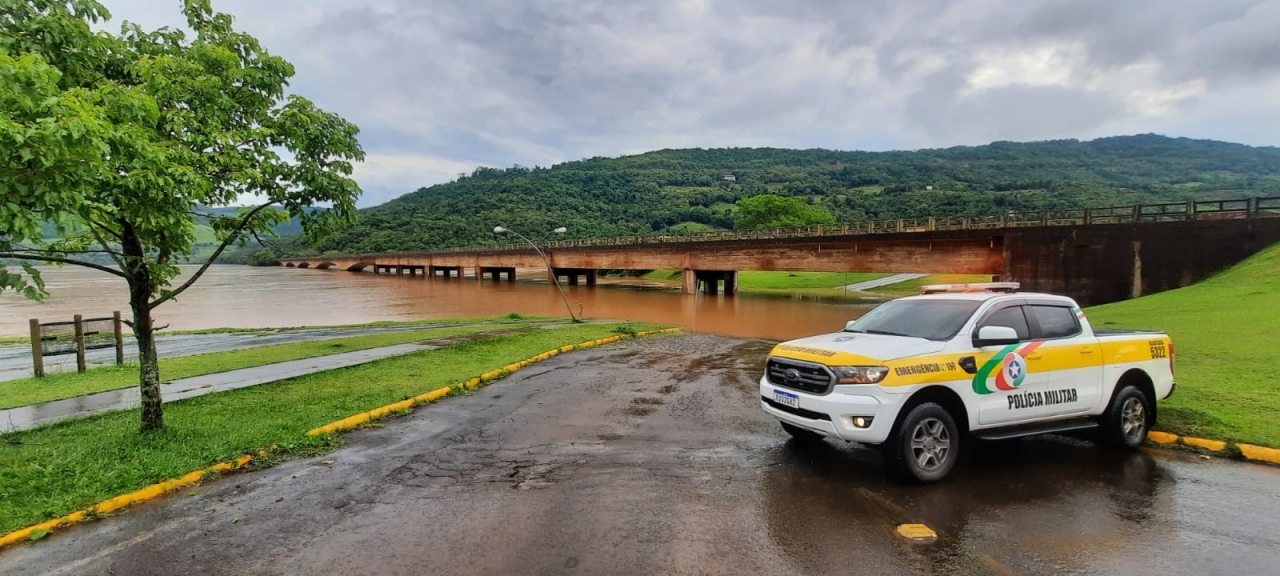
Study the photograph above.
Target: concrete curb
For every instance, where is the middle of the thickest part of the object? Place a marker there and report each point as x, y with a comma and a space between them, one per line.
124, 500
196, 476
1248, 451
363, 418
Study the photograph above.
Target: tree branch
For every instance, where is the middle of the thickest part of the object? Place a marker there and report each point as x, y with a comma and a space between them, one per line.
57, 260
235, 233
97, 235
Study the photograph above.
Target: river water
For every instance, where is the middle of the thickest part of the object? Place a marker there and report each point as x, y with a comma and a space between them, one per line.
265, 297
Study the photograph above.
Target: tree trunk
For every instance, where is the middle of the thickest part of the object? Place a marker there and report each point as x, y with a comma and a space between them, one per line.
149, 375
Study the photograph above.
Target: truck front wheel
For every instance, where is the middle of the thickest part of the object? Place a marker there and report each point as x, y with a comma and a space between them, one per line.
925, 446
1128, 418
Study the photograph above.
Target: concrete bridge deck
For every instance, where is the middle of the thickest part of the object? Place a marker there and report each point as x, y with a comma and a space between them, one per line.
1096, 255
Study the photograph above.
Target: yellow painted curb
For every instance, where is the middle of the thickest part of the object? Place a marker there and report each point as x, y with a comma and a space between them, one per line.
362, 418
113, 504
1260, 453
918, 532
1249, 451
1207, 444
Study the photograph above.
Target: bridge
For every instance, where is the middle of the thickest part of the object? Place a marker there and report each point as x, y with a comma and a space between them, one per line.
1096, 255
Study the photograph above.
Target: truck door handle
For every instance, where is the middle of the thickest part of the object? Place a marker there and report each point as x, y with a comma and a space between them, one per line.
1035, 356
1086, 350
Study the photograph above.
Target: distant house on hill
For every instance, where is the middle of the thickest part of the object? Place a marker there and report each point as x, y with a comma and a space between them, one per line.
729, 177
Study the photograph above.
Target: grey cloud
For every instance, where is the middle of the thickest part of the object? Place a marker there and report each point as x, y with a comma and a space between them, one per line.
482, 81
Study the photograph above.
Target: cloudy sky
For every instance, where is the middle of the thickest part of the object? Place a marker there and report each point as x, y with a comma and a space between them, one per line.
439, 87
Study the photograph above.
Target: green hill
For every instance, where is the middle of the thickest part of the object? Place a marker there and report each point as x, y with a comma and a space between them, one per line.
690, 189
1223, 331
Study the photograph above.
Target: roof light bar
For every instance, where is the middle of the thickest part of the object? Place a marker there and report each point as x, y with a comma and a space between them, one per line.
972, 287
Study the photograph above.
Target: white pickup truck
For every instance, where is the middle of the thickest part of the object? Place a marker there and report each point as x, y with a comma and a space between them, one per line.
921, 376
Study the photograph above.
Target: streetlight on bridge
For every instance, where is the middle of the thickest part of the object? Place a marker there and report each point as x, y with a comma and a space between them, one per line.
554, 279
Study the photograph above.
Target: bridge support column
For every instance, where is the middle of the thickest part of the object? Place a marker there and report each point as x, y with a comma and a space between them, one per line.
709, 281
572, 276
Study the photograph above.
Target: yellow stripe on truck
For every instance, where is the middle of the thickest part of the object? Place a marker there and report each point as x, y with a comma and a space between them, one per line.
937, 368
823, 356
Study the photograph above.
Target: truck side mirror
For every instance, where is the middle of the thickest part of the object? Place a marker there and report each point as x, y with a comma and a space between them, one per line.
849, 325
995, 336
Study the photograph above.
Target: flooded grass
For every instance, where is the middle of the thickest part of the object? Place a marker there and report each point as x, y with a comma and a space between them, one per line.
54, 470
1224, 331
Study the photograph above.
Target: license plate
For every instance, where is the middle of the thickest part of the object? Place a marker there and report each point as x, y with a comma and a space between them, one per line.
786, 398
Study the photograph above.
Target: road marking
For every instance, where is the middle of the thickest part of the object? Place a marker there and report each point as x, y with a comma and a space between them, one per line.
917, 532
1162, 437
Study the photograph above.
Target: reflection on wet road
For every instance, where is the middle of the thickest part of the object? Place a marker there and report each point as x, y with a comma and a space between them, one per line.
654, 458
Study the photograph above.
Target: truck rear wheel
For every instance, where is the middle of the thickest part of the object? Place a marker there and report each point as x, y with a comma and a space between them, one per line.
925, 446
1128, 419
801, 434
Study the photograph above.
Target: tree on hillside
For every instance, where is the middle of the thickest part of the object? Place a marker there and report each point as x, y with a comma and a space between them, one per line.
773, 211
121, 141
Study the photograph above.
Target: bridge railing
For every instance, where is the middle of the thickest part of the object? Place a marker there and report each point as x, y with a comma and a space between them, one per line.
1263, 207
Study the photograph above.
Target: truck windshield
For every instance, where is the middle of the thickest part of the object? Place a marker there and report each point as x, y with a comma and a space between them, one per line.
929, 319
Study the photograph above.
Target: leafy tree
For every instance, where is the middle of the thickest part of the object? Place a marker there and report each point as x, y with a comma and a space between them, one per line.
123, 141
773, 211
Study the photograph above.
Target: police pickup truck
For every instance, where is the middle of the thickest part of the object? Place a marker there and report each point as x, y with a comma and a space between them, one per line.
921, 376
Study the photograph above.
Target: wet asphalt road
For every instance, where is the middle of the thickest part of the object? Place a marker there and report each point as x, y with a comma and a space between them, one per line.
654, 458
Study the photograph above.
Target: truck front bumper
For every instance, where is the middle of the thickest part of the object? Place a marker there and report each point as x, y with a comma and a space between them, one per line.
834, 414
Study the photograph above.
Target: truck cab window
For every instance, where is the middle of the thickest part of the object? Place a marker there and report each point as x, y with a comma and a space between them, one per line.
1012, 317
1056, 321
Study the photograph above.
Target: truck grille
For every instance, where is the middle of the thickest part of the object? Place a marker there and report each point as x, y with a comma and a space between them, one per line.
797, 375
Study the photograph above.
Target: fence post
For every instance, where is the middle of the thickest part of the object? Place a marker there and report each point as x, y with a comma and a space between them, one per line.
1191, 209
117, 325
37, 349
79, 343
1088, 215
1251, 208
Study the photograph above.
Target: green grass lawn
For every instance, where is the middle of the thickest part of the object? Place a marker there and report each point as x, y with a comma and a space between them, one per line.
60, 468
1224, 331
913, 286
67, 384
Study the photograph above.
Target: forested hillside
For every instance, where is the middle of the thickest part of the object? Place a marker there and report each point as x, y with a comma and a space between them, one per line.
696, 189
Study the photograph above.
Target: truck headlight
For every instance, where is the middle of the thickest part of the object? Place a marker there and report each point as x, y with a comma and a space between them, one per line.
860, 374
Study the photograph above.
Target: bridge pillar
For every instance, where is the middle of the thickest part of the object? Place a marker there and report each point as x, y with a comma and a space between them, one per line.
709, 281
572, 276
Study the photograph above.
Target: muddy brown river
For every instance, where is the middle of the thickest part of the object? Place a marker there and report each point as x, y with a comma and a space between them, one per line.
255, 297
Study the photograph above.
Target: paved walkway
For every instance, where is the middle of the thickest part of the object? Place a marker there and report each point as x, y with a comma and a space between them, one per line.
15, 359
27, 417
887, 280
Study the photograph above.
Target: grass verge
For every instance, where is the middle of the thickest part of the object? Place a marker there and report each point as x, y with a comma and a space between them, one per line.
61, 385
54, 470
911, 287
1223, 330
